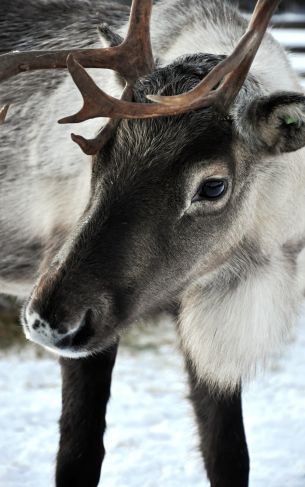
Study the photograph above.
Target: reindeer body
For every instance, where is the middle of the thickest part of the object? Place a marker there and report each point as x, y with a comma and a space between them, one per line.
264, 273
245, 294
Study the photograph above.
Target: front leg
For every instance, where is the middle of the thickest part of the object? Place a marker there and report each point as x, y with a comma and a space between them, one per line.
222, 435
85, 393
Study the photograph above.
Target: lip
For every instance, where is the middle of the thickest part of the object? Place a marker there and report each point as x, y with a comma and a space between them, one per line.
69, 353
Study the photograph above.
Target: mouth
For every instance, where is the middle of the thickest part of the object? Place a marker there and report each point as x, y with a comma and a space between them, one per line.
78, 337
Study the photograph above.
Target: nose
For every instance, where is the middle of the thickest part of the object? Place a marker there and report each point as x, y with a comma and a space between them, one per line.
63, 339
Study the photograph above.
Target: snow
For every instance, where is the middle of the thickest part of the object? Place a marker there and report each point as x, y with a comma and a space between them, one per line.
298, 62
289, 37
296, 17
151, 438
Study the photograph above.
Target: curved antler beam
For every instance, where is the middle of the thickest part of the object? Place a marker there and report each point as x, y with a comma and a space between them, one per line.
107, 58
233, 69
133, 58
98, 104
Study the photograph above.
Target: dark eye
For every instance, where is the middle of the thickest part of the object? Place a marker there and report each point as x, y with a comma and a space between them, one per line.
211, 190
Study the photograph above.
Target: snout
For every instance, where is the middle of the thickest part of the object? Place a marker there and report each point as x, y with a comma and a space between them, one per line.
68, 340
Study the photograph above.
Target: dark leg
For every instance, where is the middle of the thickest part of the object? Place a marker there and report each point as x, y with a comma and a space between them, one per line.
222, 436
85, 393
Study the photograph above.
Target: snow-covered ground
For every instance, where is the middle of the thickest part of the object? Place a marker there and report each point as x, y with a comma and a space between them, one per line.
151, 438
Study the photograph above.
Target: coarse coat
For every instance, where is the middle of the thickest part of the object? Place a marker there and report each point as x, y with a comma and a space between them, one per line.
124, 238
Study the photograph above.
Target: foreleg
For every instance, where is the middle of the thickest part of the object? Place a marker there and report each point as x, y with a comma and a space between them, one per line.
85, 394
222, 435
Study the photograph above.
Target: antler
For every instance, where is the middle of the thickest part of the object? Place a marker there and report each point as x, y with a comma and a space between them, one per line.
232, 71
132, 59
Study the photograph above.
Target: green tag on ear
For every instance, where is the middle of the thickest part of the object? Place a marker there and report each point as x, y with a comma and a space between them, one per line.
289, 120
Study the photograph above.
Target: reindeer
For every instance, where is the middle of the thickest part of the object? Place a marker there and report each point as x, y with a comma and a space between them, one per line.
191, 203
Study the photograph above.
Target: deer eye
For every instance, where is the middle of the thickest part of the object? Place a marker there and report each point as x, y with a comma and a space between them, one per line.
212, 189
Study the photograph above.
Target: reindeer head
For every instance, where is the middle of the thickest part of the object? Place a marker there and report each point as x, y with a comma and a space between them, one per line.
173, 182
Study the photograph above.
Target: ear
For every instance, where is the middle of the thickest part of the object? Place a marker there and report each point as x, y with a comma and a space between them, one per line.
109, 38
275, 123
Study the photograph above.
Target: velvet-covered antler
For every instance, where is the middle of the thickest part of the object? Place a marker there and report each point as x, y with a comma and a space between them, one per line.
132, 59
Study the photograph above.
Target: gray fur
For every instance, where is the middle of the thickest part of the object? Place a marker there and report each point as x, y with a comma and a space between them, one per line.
131, 242
244, 261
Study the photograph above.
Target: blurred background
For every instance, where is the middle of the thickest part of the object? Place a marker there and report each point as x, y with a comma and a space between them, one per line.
148, 415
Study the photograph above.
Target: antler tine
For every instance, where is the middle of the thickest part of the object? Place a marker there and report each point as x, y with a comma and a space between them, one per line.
137, 42
131, 59
234, 68
14, 63
136, 60
98, 104
90, 92
92, 146
258, 25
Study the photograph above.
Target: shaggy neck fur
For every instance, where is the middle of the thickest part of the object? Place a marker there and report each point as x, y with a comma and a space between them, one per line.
233, 318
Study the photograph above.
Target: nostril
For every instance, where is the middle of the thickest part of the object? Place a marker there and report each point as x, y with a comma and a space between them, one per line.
36, 324
35, 327
79, 335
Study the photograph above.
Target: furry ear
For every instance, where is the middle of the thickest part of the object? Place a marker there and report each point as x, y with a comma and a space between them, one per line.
275, 123
109, 38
